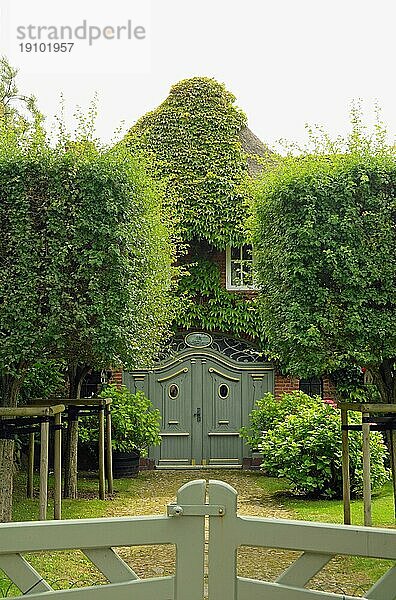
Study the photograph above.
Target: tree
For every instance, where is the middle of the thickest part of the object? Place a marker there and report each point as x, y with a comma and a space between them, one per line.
111, 240
85, 263
325, 236
16, 110
22, 314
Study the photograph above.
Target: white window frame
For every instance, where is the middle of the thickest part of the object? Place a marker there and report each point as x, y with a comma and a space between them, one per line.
229, 286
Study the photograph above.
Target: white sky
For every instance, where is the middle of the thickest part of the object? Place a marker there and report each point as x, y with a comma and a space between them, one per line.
287, 61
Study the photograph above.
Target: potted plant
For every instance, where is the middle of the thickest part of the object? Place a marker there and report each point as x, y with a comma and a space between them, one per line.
135, 427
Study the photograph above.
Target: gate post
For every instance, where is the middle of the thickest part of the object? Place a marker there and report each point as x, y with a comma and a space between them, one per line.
222, 582
190, 548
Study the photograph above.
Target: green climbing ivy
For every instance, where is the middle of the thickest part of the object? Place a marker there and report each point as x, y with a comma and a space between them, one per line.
193, 145
206, 305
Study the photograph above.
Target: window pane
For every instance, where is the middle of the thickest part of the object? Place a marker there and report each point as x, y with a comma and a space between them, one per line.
236, 278
241, 267
223, 390
312, 386
247, 274
247, 252
235, 253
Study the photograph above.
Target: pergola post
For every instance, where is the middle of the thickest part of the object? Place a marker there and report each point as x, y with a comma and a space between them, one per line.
393, 464
346, 484
30, 472
40, 414
109, 453
44, 469
100, 406
366, 469
58, 467
101, 452
368, 423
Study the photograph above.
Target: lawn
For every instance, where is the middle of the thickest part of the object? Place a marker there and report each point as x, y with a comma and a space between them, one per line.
258, 495
357, 573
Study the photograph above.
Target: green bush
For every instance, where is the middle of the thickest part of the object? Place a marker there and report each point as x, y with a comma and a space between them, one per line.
270, 411
135, 422
302, 442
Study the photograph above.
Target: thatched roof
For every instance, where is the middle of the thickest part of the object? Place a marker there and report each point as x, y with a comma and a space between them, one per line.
258, 155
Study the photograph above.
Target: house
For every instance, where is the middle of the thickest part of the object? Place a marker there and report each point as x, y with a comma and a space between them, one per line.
212, 372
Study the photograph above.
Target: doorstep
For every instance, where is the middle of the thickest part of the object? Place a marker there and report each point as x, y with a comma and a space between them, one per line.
195, 467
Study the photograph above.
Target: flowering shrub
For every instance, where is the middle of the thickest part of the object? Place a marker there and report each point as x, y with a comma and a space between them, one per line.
135, 421
302, 441
270, 411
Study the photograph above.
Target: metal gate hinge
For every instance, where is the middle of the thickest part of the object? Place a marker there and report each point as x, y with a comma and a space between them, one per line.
195, 510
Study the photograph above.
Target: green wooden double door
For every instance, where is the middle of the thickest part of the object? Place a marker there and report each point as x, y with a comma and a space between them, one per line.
204, 399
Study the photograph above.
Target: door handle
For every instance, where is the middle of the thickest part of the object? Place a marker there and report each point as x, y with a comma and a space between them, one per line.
198, 415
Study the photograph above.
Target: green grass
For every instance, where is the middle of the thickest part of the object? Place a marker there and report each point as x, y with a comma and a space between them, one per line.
331, 511
85, 507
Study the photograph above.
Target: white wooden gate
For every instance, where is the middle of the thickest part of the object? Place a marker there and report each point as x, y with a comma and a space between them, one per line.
184, 526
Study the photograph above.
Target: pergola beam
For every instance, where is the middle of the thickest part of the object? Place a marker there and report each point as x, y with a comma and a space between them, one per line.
367, 408
42, 413
45, 410
104, 444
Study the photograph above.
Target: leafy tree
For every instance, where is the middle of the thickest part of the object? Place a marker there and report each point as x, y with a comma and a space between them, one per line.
114, 247
22, 318
85, 263
16, 110
44, 379
325, 236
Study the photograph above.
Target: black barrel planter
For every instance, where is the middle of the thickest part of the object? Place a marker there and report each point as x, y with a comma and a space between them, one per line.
126, 464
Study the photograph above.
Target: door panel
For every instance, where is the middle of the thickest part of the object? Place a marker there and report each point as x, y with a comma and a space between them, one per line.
223, 401
174, 389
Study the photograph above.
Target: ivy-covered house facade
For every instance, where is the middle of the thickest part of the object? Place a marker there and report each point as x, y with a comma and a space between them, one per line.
214, 368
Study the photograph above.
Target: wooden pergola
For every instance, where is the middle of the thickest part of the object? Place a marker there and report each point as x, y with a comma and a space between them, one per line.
26, 420
86, 406
370, 422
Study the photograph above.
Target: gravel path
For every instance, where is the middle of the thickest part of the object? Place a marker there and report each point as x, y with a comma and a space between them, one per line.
155, 489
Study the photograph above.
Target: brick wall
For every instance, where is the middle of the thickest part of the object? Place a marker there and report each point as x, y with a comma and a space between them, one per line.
116, 377
285, 384
329, 390
219, 258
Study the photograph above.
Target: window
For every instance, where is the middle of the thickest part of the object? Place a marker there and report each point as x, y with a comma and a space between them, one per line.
239, 263
223, 391
312, 386
93, 383
173, 391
